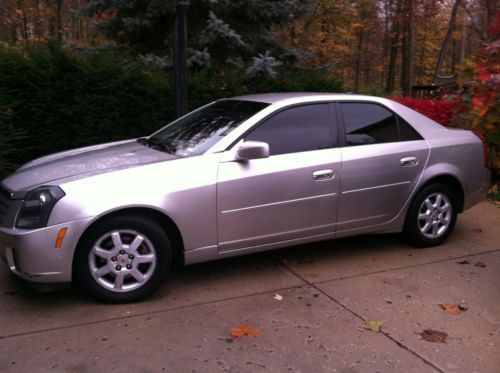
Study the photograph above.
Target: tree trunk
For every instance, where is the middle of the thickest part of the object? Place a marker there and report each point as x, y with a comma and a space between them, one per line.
393, 49
408, 50
24, 26
386, 46
37, 27
358, 61
59, 27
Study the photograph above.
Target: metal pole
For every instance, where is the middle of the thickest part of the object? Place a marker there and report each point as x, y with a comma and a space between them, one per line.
180, 57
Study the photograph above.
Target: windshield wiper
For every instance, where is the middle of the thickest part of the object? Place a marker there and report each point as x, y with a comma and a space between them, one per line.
156, 143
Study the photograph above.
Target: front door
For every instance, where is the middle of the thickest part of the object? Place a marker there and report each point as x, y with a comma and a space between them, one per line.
293, 193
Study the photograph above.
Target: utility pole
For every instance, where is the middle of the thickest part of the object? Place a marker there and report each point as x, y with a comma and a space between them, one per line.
180, 57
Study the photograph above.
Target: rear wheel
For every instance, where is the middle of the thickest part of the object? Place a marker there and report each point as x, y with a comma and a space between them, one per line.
123, 259
431, 216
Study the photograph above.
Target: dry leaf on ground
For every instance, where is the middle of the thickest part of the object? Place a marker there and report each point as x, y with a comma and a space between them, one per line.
463, 262
244, 330
477, 230
373, 325
434, 336
278, 297
480, 265
453, 309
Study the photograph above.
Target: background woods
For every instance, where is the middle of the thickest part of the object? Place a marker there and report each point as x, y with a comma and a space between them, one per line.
80, 71
372, 45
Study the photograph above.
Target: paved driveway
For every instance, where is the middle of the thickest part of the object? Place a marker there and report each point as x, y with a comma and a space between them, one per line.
328, 290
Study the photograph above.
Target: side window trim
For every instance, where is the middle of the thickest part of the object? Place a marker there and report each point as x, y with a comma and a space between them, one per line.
341, 125
332, 120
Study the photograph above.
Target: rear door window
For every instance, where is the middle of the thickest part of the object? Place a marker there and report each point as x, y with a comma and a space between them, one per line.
369, 123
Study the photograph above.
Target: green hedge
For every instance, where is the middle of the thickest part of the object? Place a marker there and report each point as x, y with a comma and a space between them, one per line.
59, 99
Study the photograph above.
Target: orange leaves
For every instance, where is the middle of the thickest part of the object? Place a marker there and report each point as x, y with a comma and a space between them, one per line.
483, 101
244, 330
453, 309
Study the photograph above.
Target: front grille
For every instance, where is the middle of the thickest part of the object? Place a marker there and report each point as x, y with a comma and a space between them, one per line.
4, 209
4, 193
8, 209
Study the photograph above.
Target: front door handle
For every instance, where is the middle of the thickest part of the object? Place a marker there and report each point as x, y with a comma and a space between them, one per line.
323, 175
409, 161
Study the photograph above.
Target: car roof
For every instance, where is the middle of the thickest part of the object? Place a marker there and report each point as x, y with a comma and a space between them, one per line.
274, 98
424, 125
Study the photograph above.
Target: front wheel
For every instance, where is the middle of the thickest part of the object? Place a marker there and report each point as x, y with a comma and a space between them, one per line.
122, 259
431, 216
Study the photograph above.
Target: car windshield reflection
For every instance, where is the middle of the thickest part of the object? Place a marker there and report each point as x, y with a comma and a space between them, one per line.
196, 132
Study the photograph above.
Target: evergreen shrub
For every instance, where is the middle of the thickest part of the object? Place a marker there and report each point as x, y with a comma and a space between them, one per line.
61, 99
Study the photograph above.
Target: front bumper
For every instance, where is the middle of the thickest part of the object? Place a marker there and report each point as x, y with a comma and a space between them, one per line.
31, 254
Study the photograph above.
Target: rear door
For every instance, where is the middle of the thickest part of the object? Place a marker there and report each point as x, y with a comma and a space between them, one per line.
293, 193
382, 161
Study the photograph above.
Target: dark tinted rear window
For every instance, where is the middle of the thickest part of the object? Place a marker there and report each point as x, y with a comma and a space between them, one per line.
367, 123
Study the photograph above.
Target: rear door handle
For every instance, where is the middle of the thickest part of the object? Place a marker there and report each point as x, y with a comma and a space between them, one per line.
323, 175
409, 161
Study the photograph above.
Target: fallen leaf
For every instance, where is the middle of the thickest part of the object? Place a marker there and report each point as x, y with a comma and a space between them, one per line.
244, 330
452, 309
480, 265
434, 336
278, 297
464, 262
305, 260
373, 325
477, 230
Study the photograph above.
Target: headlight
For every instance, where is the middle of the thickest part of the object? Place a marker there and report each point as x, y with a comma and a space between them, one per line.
37, 206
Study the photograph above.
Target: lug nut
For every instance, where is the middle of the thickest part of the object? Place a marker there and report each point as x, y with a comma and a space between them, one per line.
113, 259
131, 257
129, 266
122, 252
118, 267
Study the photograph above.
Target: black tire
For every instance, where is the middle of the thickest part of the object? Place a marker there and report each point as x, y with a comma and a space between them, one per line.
441, 221
133, 260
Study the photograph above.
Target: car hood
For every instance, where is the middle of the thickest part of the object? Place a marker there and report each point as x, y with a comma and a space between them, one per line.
80, 163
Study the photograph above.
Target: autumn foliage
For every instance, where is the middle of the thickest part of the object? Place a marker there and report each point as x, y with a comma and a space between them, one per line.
439, 110
478, 103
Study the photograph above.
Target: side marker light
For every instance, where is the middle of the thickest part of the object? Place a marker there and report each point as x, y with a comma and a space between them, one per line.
60, 237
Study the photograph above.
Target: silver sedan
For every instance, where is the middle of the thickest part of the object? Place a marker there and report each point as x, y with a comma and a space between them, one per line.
234, 177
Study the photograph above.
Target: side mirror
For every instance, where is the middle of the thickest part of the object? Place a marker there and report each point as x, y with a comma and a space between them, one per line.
252, 150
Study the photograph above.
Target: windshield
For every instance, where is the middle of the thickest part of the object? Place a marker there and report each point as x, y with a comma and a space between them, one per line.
198, 131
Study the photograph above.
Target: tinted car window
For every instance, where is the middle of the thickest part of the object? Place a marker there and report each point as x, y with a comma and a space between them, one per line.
406, 132
368, 124
198, 131
293, 130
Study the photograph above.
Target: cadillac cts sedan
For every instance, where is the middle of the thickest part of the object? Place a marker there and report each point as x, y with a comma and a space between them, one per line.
234, 177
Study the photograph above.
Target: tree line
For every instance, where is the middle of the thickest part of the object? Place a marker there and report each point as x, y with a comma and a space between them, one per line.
374, 46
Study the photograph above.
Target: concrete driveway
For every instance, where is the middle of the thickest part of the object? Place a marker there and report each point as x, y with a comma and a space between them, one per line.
328, 290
